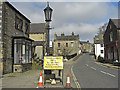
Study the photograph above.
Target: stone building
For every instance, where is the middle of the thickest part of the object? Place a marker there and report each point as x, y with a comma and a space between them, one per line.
16, 47
99, 45
66, 45
112, 41
39, 34
86, 46
51, 48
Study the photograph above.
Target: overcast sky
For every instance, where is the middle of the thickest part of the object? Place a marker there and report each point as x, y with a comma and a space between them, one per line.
83, 18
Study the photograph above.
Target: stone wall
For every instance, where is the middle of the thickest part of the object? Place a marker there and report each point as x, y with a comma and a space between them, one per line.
110, 28
38, 37
22, 68
71, 50
118, 35
1, 43
9, 32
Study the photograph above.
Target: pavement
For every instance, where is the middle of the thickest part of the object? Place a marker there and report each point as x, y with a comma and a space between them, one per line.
81, 75
106, 64
91, 75
29, 79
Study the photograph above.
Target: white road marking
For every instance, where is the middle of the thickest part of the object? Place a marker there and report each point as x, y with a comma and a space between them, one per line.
111, 74
103, 72
107, 73
93, 68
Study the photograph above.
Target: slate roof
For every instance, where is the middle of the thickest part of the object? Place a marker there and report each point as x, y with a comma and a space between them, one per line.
116, 22
68, 38
36, 28
84, 42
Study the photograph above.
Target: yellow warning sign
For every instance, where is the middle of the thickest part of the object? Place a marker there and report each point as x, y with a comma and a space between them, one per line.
51, 62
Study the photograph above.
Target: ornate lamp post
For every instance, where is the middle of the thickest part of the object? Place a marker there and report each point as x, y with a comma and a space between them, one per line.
48, 14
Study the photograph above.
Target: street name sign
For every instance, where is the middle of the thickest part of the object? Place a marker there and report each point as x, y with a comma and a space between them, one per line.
53, 62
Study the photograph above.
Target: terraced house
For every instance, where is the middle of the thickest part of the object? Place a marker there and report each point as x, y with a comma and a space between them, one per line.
66, 45
86, 46
16, 47
99, 45
40, 35
112, 41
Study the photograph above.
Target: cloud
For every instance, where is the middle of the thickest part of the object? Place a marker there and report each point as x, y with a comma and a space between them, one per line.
83, 18
82, 12
32, 10
63, 0
85, 31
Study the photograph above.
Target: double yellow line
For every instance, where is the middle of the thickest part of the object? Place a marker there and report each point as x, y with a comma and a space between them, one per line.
75, 80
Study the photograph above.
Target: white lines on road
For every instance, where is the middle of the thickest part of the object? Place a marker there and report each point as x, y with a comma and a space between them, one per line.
107, 73
102, 71
111, 74
93, 68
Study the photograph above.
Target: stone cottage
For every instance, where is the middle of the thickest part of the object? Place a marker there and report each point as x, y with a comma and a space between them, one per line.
40, 35
86, 46
66, 45
112, 41
16, 46
99, 45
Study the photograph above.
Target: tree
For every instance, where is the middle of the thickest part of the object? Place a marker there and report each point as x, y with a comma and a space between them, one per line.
65, 51
102, 28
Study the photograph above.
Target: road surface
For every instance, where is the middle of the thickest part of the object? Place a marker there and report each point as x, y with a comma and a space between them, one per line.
91, 75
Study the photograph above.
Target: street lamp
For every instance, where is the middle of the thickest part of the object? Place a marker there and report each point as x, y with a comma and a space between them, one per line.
48, 14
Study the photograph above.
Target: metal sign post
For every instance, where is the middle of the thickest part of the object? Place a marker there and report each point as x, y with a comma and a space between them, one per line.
53, 63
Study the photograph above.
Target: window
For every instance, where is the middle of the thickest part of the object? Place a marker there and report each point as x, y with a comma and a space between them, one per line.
22, 51
111, 36
59, 51
26, 28
18, 23
66, 44
72, 44
101, 51
101, 45
58, 44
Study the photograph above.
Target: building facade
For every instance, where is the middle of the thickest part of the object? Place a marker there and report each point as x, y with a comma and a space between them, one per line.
99, 45
16, 47
66, 45
112, 41
86, 46
39, 34
51, 48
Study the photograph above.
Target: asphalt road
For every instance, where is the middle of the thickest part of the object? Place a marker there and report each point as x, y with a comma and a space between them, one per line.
91, 75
